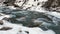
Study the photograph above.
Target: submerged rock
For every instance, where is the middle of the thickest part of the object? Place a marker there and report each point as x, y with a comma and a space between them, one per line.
5, 28
1, 22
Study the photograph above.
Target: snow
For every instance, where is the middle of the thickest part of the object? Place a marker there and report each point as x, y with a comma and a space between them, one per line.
29, 3
56, 14
16, 29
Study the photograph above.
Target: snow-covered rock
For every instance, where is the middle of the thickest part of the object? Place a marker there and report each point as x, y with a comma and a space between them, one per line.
30, 4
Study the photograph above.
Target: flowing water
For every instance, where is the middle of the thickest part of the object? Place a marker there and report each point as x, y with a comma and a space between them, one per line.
32, 19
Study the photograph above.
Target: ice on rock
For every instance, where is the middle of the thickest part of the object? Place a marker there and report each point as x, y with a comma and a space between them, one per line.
56, 14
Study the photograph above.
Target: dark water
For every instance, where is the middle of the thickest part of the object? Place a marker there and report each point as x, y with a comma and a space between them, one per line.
27, 18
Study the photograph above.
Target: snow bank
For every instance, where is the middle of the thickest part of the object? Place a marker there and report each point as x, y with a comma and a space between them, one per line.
16, 28
20, 29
